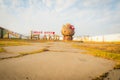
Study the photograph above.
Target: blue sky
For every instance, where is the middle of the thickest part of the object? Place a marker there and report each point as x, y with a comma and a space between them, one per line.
90, 17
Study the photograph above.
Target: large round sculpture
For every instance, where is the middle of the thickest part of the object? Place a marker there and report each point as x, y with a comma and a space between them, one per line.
68, 31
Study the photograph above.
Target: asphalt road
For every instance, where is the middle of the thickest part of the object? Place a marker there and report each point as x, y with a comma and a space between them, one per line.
61, 62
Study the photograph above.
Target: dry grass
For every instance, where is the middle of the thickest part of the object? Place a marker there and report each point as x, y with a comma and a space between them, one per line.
34, 52
26, 53
107, 47
105, 50
2, 50
12, 43
18, 42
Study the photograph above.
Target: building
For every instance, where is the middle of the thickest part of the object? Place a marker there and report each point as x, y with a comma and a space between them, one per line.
6, 34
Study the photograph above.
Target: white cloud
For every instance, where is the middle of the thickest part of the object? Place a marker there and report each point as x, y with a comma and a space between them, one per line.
63, 4
48, 3
94, 3
118, 6
9, 21
1, 4
51, 15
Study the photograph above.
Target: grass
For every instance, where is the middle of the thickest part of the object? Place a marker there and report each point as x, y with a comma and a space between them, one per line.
12, 43
2, 49
26, 53
34, 52
101, 77
19, 42
107, 50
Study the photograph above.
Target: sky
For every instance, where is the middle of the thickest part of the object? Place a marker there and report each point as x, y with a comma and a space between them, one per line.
89, 17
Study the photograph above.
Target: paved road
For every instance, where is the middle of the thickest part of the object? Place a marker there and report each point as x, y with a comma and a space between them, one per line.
62, 62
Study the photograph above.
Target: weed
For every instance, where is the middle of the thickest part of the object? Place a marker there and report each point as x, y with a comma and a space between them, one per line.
33, 52
26, 53
2, 50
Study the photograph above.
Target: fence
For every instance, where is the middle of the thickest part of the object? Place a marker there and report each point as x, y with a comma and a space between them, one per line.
100, 38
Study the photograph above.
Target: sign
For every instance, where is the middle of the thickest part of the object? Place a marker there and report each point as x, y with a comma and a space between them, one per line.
49, 32
40, 32
37, 32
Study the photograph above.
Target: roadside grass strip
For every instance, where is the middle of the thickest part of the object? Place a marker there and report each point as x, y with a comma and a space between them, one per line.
13, 43
103, 53
100, 53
